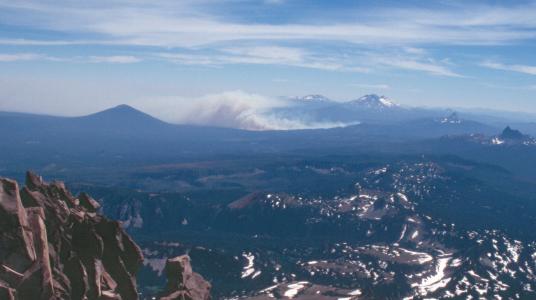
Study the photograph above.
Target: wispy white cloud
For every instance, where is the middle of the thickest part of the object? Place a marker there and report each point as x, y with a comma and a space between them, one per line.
509, 87
361, 62
380, 86
116, 59
272, 55
411, 61
274, 1
32, 42
19, 57
193, 32
414, 50
23, 56
189, 24
414, 65
526, 69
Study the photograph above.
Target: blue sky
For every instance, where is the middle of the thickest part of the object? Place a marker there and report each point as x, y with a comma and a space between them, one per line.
75, 57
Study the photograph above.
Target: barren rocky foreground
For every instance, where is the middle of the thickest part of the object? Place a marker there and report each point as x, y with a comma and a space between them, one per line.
54, 245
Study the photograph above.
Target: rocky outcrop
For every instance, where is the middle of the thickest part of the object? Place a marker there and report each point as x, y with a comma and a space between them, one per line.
57, 246
183, 283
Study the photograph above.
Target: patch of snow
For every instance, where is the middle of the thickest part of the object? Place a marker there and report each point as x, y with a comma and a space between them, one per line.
420, 257
256, 274
249, 269
355, 293
436, 280
497, 141
403, 197
402, 233
380, 171
294, 289
269, 288
456, 262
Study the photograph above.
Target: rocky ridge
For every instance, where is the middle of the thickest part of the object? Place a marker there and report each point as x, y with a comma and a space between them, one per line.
54, 245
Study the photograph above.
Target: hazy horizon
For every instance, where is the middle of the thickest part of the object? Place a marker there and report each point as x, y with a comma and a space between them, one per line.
73, 58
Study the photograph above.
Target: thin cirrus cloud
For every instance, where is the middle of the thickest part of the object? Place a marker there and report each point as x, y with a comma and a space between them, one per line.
415, 65
27, 57
190, 24
274, 1
360, 62
199, 34
380, 86
258, 55
525, 69
19, 57
271, 55
115, 59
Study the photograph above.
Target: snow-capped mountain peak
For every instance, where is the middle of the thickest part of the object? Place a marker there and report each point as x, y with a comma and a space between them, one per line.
375, 101
453, 118
511, 136
312, 98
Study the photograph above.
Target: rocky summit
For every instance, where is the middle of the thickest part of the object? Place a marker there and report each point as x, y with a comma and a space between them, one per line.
54, 245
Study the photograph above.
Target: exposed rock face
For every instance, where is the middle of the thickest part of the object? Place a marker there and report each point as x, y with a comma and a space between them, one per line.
183, 283
56, 246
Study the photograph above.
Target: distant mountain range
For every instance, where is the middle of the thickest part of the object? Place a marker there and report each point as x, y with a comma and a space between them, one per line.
375, 109
312, 99
371, 101
508, 137
366, 109
124, 123
124, 134
306, 112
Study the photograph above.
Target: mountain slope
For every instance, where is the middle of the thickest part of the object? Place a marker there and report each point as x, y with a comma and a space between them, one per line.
366, 109
374, 102
310, 99
408, 227
118, 134
122, 117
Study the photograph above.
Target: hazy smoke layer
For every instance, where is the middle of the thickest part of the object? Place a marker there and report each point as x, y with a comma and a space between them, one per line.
236, 109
